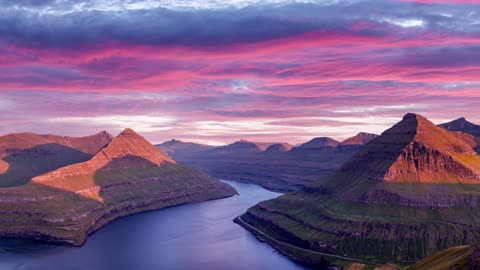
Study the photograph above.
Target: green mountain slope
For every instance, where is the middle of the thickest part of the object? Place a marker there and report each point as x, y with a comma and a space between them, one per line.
410, 192
455, 258
128, 175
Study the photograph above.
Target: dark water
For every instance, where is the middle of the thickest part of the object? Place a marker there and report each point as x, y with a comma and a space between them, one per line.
194, 236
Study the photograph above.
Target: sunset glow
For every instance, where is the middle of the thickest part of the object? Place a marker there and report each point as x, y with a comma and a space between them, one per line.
219, 71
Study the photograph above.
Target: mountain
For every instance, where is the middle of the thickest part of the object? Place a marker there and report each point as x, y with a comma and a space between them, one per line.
275, 166
128, 175
25, 155
455, 258
413, 191
279, 147
461, 124
177, 147
318, 143
242, 147
359, 139
469, 132
416, 150
11, 143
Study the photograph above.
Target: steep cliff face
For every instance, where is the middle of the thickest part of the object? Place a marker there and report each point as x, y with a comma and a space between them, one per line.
128, 175
410, 192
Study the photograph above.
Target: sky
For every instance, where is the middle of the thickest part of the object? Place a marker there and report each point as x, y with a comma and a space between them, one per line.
219, 71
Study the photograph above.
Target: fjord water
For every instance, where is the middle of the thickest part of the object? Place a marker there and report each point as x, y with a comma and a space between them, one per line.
192, 236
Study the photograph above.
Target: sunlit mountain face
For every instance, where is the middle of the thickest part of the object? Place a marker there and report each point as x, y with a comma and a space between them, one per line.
217, 71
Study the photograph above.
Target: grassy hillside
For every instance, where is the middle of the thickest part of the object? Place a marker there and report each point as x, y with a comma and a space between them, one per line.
409, 193
128, 176
455, 258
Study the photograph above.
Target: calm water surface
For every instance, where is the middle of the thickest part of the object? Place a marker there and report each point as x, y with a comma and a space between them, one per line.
194, 236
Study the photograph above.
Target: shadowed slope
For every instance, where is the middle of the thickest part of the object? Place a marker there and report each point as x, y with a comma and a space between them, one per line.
242, 147
469, 132
178, 148
461, 124
21, 141
26, 155
279, 147
410, 192
317, 143
278, 167
128, 175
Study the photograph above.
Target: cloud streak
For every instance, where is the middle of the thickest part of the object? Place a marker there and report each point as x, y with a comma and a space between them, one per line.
279, 70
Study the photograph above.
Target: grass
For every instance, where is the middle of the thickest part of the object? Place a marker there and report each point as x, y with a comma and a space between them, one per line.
56, 211
334, 221
460, 257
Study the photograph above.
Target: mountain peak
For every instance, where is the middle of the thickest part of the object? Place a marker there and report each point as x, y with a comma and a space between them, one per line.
461, 124
127, 150
279, 147
410, 116
360, 139
319, 142
104, 134
130, 144
415, 150
129, 131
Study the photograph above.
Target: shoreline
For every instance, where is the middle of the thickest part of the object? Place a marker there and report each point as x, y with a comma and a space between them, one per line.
45, 234
306, 256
